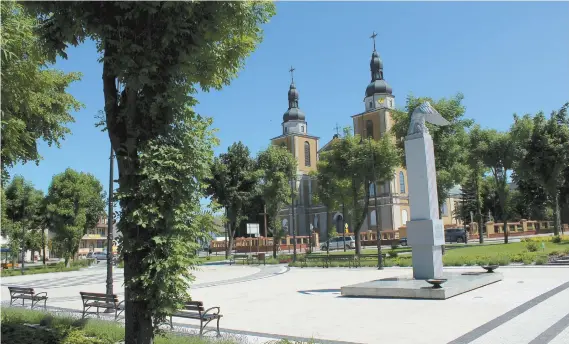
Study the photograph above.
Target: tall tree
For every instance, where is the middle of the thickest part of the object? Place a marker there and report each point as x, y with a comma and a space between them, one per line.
74, 204
23, 215
277, 169
450, 141
546, 157
232, 185
476, 147
35, 104
355, 160
158, 53
499, 157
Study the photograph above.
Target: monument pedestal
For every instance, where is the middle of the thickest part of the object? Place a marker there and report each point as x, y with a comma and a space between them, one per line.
406, 287
426, 238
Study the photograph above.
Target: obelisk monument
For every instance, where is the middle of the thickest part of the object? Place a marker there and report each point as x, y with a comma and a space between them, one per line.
425, 231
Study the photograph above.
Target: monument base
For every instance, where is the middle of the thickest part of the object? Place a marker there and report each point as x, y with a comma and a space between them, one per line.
408, 288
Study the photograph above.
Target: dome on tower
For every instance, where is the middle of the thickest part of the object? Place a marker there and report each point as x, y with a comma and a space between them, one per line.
377, 84
293, 113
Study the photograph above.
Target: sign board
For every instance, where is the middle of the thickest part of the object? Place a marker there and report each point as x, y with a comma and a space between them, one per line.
253, 228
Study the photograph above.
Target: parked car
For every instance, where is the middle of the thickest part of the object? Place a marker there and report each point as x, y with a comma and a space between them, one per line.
97, 255
403, 241
337, 243
458, 235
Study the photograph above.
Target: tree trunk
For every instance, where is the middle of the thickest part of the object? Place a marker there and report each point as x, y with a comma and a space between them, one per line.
479, 210
138, 321
43, 245
556, 214
231, 239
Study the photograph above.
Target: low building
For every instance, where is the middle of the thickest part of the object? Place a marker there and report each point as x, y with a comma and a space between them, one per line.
95, 240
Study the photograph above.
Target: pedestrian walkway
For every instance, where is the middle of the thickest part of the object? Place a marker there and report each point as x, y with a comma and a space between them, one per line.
530, 305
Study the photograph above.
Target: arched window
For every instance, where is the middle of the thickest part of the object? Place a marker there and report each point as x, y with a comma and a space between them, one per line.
372, 190
444, 209
404, 217
373, 218
401, 182
306, 153
369, 128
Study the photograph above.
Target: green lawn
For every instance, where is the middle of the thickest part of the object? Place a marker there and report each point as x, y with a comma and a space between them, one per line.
67, 330
501, 249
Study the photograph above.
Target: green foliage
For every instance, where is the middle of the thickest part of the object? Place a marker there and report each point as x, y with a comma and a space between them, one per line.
540, 260
158, 53
392, 253
233, 184
35, 104
276, 168
74, 204
349, 167
544, 157
450, 142
556, 239
24, 212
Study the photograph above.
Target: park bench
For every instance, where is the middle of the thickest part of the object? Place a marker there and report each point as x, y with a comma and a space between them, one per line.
101, 300
350, 258
366, 256
196, 310
239, 256
314, 258
25, 293
257, 258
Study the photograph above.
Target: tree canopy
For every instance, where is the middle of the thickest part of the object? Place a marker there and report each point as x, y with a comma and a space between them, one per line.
450, 141
232, 185
356, 163
277, 169
35, 104
75, 202
154, 56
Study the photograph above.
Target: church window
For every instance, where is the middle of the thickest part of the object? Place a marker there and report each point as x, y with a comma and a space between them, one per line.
302, 129
404, 217
369, 128
401, 182
286, 129
371, 105
373, 218
306, 153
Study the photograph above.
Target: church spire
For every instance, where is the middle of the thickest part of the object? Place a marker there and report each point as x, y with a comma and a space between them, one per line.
377, 84
293, 113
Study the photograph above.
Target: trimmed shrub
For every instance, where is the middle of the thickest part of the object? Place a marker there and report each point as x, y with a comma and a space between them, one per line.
540, 260
392, 253
531, 246
556, 239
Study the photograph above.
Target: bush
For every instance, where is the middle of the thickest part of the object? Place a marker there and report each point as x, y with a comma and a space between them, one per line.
392, 253
566, 251
540, 260
531, 246
394, 246
556, 239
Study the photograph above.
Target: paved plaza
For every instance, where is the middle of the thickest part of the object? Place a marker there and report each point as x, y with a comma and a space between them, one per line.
531, 304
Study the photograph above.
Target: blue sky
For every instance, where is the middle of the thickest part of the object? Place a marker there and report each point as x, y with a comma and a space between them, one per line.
505, 57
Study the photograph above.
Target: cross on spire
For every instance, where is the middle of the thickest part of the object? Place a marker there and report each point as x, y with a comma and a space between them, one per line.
373, 37
337, 128
291, 70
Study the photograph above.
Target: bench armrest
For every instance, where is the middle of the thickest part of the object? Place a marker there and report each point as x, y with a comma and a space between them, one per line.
120, 305
212, 308
43, 293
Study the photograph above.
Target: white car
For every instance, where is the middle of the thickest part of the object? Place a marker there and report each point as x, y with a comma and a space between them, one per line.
339, 243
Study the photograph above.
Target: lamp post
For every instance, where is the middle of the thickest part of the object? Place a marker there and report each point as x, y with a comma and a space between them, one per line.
378, 232
292, 185
110, 228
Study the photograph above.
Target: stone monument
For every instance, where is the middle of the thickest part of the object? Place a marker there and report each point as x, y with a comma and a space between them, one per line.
425, 231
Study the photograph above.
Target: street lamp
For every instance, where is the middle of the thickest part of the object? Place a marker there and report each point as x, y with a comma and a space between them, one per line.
110, 228
294, 184
378, 232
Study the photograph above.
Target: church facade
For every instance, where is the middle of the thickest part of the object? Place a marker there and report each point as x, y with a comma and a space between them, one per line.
374, 121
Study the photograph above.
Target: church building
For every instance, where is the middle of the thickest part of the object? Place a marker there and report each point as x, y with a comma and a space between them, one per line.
374, 121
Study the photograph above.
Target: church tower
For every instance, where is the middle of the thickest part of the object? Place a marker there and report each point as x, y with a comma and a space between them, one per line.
304, 148
375, 121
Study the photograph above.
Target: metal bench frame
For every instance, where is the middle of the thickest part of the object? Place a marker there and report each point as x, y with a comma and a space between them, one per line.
101, 300
196, 310
365, 256
350, 258
25, 293
323, 259
239, 256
